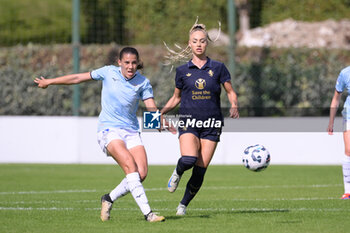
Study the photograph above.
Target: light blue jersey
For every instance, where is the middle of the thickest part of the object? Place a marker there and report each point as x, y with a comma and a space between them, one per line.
343, 83
120, 97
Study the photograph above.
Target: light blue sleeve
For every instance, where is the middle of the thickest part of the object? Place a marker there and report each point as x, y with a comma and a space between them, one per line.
147, 91
340, 85
99, 74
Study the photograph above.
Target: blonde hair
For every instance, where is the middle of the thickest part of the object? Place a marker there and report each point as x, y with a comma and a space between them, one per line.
199, 27
182, 55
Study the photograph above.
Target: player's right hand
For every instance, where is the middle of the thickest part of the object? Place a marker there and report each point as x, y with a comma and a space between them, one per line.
330, 129
42, 82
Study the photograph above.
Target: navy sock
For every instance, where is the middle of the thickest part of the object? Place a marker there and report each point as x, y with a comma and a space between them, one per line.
194, 184
107, 198
185, 163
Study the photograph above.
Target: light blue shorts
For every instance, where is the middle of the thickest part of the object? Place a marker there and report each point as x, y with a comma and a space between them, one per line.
346, 119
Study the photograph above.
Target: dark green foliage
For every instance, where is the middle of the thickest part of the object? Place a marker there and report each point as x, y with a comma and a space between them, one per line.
156, 21
144, 22
104, 21
35, 21
255, 13
304, 10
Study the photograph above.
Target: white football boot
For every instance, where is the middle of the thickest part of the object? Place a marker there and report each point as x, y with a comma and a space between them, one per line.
181, 210
173, 181
152, 217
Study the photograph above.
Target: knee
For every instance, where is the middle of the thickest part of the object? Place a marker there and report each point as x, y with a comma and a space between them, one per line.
187, 161
201, 163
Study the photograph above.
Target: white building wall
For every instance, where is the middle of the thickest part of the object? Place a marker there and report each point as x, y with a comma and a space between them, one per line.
44, 139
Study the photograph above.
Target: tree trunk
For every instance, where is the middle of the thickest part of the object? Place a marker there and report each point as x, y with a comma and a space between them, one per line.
244, 24
243, 8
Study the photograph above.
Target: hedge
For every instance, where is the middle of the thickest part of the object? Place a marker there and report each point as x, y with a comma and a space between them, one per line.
269, 82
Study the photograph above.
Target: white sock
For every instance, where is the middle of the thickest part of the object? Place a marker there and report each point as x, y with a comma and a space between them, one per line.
121, 190
346, 174
138, 192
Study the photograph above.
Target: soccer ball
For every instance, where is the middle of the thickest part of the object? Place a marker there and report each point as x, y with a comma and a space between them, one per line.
256, 158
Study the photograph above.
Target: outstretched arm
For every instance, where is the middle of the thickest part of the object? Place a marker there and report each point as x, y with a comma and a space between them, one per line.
151, 106
63, 80
172, 102
232, 97
333, 110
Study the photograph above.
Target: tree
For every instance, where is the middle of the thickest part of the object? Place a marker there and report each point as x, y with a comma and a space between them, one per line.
104, 21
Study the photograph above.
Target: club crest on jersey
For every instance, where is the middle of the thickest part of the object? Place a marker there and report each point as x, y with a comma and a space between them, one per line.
211, 73
188, 74
200, 83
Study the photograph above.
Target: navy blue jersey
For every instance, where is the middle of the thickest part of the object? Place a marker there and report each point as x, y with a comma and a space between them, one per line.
201, 88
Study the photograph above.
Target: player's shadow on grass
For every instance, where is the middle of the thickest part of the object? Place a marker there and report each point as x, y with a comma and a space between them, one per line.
251, 211
258, 211
188, 216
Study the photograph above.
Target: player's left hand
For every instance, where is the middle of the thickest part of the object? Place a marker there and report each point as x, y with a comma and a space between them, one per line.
330, 129
166, 126
234, 113
170, 128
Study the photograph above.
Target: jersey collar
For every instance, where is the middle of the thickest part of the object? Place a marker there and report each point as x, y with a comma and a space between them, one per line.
127, 79
207, 64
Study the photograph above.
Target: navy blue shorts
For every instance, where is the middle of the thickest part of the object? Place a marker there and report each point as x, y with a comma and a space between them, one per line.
212, 134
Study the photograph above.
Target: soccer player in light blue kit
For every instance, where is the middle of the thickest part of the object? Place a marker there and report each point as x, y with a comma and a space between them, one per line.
343, 83
118, 128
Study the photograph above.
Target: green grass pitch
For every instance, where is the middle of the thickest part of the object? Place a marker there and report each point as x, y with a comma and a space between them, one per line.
66, 198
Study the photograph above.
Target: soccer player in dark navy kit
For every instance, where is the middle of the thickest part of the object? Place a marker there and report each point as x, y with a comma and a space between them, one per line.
198, 87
